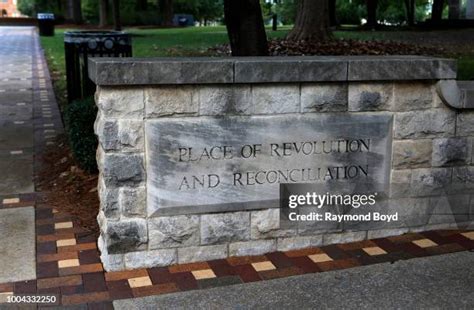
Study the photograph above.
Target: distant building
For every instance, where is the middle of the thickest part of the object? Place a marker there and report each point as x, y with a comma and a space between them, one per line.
8, 8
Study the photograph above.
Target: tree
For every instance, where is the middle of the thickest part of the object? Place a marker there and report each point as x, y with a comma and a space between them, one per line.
312, 21
410, 6
372, 14
437, 11
103, 13
245, 28
165, 8
77, 12
454, 9
116, 13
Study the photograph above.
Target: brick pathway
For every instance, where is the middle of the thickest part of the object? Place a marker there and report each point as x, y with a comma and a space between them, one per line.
67, 259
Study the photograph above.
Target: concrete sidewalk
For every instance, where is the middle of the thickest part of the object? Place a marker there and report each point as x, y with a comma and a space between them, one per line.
438, 282
28, 122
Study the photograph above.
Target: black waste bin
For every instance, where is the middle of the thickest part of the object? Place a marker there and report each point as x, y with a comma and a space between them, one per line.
79, 45
46, 24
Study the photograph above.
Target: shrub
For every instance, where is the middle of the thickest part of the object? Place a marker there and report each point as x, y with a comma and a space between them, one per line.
80, 117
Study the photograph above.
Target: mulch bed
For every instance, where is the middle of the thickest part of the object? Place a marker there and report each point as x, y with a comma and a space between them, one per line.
282, 47
68, 188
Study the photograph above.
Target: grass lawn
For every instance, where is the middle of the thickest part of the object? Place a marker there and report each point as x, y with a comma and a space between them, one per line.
195, 40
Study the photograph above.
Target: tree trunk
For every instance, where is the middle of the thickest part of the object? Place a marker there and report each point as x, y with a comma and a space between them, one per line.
454, 9
372, 13
77, 12
102, 13
142, 5
437, 11
312, 21
116, 12
165, 8
245, 28
332, 13
410, 6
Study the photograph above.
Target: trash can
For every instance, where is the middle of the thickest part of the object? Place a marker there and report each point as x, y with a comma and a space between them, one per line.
79, 45
46, 24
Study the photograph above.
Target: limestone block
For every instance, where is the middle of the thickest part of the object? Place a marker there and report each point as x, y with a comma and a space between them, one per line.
133, 201
324, 97
427, 182
174, 231
126, 236
225, 100
266, 224
370, 96
148, 259
225, 227
171, 100
120, 102
274, 99
450, 152
295, 243
465, 123
412, 154
344, 237
122, 170
201, 253
432, 123
413, 96
249, 248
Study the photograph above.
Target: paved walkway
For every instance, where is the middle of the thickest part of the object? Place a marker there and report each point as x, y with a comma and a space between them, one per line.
29, 120
439, 282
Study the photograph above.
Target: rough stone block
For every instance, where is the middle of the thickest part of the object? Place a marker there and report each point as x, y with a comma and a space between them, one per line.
400, 183
344, 237
295, 243
121, 102
133, 201
173, 231
266, 224
370, 97
224, 100
412, 154
131, 136
413, 96
249, 248
171, 100
450, 152
201, 253
427, 182
225, 227
148, 259
463, 180
465, 124
122, 170
275, 99
107, 132
109, 201
412, 212
324, 97
126, 236
315, 227
449, 209
432, 123
112, 262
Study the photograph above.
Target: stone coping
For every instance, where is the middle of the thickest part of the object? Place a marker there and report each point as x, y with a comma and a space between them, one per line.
231, 70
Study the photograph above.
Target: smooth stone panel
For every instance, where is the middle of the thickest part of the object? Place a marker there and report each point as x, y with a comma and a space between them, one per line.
17, 245
401, 68
181, 180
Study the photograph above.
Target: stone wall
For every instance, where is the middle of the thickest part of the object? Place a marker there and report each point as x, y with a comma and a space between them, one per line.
431, 152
